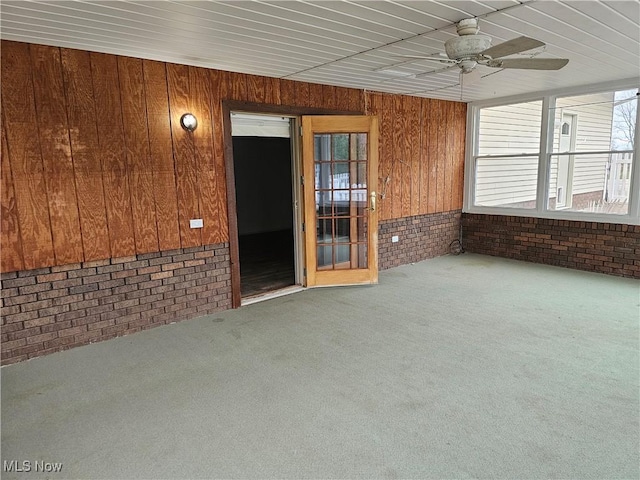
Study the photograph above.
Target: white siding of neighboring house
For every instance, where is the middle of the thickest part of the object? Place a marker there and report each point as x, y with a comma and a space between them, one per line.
515, 129
594, 116
508, 130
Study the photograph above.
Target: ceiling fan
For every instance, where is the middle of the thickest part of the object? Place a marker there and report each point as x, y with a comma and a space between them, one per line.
470, 49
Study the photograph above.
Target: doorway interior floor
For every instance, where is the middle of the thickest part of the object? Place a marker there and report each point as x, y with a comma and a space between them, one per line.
266, 262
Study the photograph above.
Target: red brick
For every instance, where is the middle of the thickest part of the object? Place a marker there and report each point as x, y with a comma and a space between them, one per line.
158, 276
101, 324
72, 331
65, 268
38, 322
52, 277
54, 327
172, 266
58, 342
43, 337
18, 282
27, 332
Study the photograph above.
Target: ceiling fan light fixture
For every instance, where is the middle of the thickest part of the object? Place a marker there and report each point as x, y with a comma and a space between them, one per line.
467, 46
467, 65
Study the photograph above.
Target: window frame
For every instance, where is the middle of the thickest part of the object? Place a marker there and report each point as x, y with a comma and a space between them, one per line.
632, 217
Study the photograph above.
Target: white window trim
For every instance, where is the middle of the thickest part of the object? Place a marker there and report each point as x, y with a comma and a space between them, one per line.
546, 140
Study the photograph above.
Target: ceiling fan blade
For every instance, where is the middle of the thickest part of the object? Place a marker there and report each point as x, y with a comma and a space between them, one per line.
434, 72
529, 63
435, 57
517, 45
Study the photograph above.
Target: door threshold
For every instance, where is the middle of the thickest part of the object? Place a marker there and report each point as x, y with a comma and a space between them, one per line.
269, 295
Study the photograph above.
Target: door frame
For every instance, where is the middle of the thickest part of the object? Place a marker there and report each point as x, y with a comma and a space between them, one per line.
229, 106
568, 186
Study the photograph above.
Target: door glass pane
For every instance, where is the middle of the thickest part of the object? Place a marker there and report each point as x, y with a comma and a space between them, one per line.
342, 229
322, 147
340, 146
342, 203
324, 203
341, 175
361, 177
323, 175
341, 200
324, 233
343, 256
358, 146
325, 257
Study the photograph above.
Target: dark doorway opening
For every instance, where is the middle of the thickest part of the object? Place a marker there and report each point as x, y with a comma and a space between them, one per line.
264, 203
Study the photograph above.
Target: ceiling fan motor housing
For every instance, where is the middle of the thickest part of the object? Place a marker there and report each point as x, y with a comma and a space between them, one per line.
466, 46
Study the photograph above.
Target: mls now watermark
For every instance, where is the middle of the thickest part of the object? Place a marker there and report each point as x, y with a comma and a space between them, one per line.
26, 466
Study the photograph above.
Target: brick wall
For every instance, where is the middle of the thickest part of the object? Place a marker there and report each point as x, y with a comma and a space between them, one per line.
419, 237
56, 308
598, 247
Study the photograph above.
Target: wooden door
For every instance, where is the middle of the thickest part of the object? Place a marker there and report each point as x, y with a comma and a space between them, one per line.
340, 165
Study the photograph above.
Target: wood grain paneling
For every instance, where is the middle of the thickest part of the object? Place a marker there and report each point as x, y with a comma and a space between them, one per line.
405, 154
220, 195
302, 98
161, 152
441, 159
255, 88
329, 96
11, 251
136, 140
238, 84
202, 98
387, 160
272, 91
287, 92
415, 136
449, 142
343, 98
53, 133
434, 121
461, 135
316, 99
115, 177
86, 160
424, 156
25, 157
96, 165
398, 157
184, 155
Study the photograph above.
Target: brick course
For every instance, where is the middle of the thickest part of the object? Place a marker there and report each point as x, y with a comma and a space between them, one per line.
420, 237
52, 309
609, 248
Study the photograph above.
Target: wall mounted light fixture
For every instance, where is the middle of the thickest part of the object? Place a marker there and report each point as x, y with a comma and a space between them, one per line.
189, 122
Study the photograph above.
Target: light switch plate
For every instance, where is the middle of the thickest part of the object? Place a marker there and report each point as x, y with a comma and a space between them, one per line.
196, 223
395, 239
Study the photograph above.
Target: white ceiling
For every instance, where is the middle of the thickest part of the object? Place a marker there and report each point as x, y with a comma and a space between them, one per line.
344, 42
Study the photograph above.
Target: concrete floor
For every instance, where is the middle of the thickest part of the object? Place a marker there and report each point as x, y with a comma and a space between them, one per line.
457, 367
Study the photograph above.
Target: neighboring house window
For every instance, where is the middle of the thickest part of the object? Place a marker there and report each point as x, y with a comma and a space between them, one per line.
558, 157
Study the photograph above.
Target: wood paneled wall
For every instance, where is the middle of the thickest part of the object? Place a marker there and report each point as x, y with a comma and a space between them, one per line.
95, 164
421, 159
